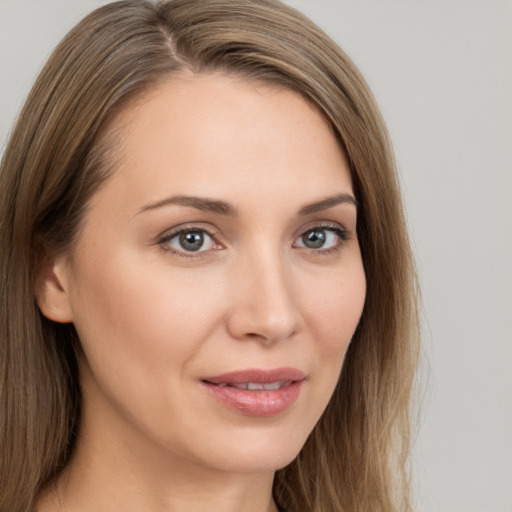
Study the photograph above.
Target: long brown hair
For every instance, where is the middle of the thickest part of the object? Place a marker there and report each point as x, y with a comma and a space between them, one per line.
59, 154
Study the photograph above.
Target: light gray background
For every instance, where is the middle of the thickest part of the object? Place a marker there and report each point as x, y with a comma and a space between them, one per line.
442, 73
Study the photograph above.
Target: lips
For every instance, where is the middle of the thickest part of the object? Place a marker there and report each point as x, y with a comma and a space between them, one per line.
256, 392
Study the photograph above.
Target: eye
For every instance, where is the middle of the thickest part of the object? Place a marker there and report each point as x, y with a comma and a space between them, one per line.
322, 238
189, 240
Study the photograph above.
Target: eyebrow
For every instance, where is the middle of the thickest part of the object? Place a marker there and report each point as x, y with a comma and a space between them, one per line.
327, 203
200, 203
224, 208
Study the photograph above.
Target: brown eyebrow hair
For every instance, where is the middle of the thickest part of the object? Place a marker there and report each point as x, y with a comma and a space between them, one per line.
200, 203
328, 202
224, 208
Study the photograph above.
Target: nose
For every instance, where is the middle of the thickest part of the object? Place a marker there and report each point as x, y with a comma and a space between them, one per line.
264, 300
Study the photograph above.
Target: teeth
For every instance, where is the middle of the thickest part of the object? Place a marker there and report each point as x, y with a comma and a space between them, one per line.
258, 386
272, 386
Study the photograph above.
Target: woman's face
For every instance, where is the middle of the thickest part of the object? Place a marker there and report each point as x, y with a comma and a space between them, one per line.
218, 280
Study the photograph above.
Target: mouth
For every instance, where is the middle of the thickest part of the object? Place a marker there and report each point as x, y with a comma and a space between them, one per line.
256, 392
254, 386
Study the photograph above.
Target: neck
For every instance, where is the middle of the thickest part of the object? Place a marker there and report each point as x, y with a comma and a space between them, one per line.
75, 492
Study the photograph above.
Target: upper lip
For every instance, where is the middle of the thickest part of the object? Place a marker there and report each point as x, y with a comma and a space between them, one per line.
259, 375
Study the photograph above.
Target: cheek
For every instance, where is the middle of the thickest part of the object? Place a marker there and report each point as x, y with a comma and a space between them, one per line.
335, 307
332, 316
142, 315
140, 326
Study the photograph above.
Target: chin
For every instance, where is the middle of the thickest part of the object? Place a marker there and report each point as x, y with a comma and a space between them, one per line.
248, 461
254, 450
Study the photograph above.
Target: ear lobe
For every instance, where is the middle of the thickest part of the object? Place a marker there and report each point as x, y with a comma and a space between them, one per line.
51, 291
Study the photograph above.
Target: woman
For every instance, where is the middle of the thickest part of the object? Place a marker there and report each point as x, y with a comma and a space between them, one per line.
207, 289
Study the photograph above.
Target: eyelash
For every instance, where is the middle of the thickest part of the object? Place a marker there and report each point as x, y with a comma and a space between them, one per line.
342, 234
163, 242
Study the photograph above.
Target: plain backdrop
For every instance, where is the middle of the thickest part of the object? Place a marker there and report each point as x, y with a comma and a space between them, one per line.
442, 73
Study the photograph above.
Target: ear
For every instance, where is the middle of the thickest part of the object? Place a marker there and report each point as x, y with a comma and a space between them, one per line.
51, 288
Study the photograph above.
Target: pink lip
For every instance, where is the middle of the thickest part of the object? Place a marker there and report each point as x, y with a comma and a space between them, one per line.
257, 402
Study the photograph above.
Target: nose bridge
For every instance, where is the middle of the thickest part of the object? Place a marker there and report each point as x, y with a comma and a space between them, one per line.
266, 305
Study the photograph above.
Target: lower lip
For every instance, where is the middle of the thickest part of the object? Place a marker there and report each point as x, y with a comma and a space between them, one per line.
256, 402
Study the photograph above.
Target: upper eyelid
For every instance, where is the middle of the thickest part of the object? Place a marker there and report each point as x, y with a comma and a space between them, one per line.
332, 225
339, 230
164, 239
172, 232
212, 231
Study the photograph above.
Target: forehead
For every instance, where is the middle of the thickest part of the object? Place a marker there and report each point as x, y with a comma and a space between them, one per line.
207, 131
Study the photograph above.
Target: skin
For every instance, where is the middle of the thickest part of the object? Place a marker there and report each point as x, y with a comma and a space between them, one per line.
153, 318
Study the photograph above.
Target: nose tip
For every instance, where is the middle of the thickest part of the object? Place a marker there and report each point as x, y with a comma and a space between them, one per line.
265, 307
269, 327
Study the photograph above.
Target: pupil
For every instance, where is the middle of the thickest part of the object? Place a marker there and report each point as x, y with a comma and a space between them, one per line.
192, 240
314, 239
